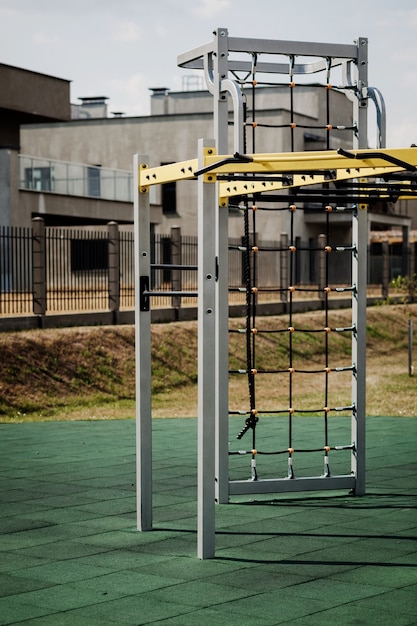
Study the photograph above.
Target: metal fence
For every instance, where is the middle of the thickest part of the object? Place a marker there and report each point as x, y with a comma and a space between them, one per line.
66, 270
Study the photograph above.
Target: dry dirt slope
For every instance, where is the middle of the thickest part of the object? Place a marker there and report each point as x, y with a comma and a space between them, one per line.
89, 372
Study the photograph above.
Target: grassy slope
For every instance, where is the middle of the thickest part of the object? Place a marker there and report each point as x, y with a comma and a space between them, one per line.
88, 373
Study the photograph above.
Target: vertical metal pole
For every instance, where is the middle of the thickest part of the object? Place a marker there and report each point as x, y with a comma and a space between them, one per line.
114, 266
207, 358
39, 266
141, 210
221, 116
359, 278
176, 275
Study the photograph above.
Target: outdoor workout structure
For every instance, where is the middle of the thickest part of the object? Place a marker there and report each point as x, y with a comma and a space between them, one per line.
332, 182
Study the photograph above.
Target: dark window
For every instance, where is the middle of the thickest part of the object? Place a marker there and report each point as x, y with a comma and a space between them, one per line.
93, 181
39, 178
169, 197
89, 254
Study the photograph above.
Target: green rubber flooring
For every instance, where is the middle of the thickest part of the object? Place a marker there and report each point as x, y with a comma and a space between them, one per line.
70, 552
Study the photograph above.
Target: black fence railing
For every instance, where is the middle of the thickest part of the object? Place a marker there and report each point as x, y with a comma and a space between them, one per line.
50, 270
16, 284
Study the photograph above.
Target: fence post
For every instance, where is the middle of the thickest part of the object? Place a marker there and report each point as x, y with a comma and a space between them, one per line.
39, 266
114, 266
284, 268
385, 269
176, 277
322, 266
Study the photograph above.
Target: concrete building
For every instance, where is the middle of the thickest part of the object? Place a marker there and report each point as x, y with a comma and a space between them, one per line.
74, 171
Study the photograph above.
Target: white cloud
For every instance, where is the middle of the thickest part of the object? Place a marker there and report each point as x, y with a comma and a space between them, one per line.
210, 8
126, 31
45, 40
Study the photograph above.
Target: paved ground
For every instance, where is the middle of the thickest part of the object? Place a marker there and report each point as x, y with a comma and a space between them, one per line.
70, 553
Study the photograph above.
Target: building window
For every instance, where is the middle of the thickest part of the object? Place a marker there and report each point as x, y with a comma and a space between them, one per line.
93, 182
40, 178
169, 197
89, 255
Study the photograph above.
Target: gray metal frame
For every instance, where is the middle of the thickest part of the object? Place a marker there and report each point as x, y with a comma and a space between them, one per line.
215, 59
217, 63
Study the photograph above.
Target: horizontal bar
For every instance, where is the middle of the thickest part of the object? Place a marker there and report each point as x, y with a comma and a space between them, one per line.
183, 294
283, 485
169, 266
296, 48
306, 164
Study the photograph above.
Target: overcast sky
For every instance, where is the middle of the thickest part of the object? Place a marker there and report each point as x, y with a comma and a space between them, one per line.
120, 48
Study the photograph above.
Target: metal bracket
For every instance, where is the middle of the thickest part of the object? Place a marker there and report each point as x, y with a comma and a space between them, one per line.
144, 293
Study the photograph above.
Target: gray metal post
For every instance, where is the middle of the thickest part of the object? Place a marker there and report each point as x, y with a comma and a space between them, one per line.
207, 360
39, 266
221, 116
359, 279
176, 276
359, 276
143, 349
114, 266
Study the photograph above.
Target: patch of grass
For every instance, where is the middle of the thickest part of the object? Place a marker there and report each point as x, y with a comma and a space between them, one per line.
89, 373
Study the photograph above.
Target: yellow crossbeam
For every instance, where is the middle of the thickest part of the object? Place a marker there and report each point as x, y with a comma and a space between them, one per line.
304, 167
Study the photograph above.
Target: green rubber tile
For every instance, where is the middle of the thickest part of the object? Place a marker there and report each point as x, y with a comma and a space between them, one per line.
139, 609
13, 610
60, 516
278, 607
124, 583
303, 565
15, 561
110, 507
20, 523
63, 572
401, 601
199, 593
109, 539
80, 617
60, 550
68, 596
29, 538
257, 579
393, 576
347, 615
117, 560
335, 592
186, 569
11, 585
216, 615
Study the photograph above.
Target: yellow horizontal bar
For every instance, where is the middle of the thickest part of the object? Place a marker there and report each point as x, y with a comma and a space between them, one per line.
167, 173
284, 163
228, 189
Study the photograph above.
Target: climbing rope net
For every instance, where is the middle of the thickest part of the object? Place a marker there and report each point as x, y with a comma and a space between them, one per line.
289, 334
289, 338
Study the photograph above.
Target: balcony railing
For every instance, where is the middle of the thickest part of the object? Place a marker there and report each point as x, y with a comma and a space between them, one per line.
74, 179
